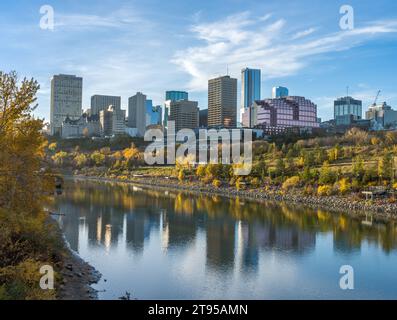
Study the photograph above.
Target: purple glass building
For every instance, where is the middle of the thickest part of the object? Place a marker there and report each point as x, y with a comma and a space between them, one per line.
283, 113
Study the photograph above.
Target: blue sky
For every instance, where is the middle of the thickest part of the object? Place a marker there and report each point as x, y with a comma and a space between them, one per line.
121, 47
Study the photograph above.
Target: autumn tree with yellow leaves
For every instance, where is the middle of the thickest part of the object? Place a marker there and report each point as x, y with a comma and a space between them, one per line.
25, 238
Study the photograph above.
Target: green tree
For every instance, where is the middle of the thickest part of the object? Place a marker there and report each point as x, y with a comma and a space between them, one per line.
326, 175
385, 167
98, 158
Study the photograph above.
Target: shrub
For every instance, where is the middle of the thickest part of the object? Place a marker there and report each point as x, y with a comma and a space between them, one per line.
326, 175
200, 171
52, 147
308, 190
255, 182
290, 183
239, 185
324, 190
60, 158
80, 160
343, 186
216, 183
98, 158
181, 175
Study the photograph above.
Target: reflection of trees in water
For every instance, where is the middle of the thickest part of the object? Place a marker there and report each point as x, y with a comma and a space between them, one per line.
264, 225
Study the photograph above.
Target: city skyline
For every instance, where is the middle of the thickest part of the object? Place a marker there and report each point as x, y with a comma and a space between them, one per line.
312, 57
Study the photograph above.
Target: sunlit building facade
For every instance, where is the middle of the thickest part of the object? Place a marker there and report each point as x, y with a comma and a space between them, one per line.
66, 100
222, 102
282, 113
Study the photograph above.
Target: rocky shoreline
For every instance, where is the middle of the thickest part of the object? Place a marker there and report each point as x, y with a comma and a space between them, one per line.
76, 275
77, 278
380, 209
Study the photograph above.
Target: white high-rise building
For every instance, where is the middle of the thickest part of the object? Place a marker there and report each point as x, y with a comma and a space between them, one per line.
137, 113
66, 100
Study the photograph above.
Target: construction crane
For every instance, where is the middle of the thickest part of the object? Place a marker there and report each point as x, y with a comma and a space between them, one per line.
377, 96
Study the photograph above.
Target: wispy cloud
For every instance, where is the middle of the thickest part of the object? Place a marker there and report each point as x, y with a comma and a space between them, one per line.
125, 16
241, 40
304, 33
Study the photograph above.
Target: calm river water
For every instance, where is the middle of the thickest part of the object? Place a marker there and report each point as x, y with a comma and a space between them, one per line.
172, 245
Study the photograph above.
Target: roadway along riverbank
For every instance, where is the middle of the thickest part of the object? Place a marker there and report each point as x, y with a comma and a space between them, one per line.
380, 209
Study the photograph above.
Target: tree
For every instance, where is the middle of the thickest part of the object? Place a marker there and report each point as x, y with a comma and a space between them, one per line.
259, 170
52, 147
25, 182
98, 158
291, 183
385, 167
60, 158
80, 160
326, 175
280, 167
358, 168
21, 145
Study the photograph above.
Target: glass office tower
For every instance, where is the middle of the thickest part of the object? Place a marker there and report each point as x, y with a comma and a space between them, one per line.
176, 95
250, 87
279, 92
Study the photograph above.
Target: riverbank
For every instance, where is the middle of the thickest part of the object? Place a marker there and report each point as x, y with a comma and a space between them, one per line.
76, 276
350, 205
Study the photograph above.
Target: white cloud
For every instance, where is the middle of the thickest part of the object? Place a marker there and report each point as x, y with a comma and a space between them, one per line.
304, 33
241, 40
123, 17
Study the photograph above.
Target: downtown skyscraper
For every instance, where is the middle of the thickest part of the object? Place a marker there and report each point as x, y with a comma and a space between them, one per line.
250, 89
250, 86
222, 102
66, 100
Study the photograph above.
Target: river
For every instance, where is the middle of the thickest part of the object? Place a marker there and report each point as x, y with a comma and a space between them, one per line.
157, 244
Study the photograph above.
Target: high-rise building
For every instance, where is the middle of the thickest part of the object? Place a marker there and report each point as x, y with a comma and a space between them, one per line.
203, 118
156, 115
112, 121
279, 92
153, 114
185, 113
250, 87
383, 115
222, 102
101, 102
347, 106
275, 115
176, 95
66, 100
137, 113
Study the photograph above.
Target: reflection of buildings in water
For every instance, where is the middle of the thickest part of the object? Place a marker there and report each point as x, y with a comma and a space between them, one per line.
181, 229
97, 221
247, 248
108, 236
70, 224
135, 233
220, 244
139, 226
252, 236
165, 233
344, 242
99, 229
287, 237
